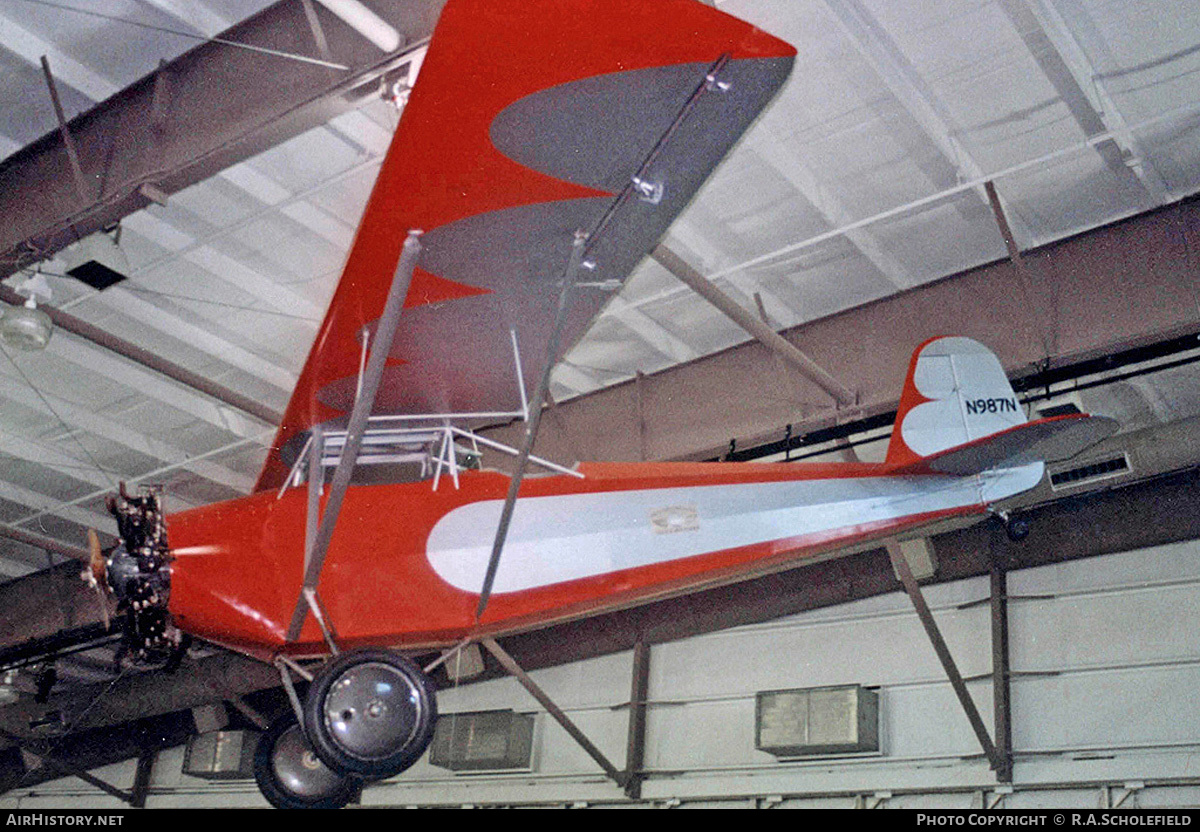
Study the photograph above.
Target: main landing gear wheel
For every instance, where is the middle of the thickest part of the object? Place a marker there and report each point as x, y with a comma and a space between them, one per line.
291, 776
370, 713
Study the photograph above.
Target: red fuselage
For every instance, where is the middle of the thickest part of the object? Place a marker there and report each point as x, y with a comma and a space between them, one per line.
403, 563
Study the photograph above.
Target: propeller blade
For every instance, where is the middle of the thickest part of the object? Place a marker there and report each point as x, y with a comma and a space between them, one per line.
95, 574
95, 556
532, 423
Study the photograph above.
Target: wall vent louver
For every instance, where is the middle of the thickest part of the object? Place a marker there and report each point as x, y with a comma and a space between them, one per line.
483, 741
221, 755
1100, 469
817, 721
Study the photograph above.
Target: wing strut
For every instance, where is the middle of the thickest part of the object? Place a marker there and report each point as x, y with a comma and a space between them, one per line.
534, 420
644, 186
363, 403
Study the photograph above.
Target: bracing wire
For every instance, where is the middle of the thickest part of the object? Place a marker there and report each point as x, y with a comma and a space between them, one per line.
70, 432
190, 35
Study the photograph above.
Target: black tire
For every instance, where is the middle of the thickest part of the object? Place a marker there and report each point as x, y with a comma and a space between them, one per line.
1017, 529
370, 713
290, 776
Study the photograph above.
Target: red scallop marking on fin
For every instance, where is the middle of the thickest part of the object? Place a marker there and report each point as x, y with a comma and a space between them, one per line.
428, 288
898, 452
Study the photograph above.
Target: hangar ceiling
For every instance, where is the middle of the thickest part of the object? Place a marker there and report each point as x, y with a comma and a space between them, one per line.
866, 182
865, 179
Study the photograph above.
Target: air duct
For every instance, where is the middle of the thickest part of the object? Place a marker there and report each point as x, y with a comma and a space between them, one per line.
96, 260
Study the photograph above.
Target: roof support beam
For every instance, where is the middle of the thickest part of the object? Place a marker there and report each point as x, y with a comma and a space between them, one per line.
45, 504
98, 337
910, 90
560, 716
1001, 671
225, 106
1037, 316
573, 378
148, 379
141, 779
700, 236
77, 416
70, 71
789, 167
196, 15
125, 301
759, 330
80, 470
364, 21
98, 87
318, 32
1068, 69
69, 770
62, 508
656, 335
635, 746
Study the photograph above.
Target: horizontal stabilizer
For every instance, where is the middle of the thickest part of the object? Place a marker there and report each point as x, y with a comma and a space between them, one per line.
1045, 440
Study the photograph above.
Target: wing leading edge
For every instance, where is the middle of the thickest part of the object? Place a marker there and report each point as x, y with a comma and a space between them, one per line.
527, 124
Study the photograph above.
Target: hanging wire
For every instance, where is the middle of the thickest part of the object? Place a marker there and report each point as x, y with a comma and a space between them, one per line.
155, 293
71, 432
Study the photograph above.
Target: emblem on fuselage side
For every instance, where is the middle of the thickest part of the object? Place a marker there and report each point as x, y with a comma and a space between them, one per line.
672, 519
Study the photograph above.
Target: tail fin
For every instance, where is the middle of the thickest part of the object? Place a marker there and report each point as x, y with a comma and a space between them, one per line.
959, 415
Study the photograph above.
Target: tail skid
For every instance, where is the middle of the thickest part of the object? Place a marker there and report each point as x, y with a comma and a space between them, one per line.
959, 416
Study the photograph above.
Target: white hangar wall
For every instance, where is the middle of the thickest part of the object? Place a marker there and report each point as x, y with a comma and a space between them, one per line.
1105, 656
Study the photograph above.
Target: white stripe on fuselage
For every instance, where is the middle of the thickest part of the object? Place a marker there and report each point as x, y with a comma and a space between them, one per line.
572, 536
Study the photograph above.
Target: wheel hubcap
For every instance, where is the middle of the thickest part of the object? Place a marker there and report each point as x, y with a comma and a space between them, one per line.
298, 769
373, 710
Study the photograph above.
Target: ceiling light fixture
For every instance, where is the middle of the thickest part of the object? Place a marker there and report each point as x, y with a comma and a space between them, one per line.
8, 688
28, 328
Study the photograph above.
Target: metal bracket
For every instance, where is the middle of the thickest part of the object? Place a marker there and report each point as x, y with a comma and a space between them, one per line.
647, 190
712, 84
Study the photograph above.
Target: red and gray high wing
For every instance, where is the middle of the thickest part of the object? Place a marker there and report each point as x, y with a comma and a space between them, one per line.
528, 123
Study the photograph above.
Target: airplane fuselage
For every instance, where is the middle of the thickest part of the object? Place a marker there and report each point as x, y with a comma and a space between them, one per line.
407, 562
